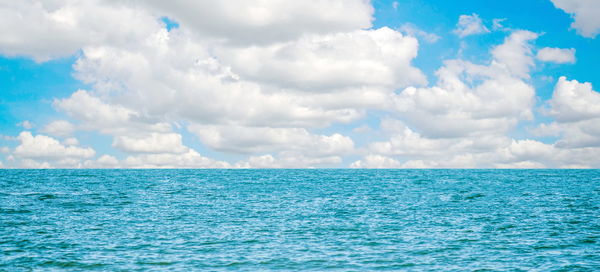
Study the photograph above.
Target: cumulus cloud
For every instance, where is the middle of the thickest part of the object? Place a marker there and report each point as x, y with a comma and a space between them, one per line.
472, 99
585, 15
266, 21
41, 146
464, 119
41, 151
414, 31
189, 159
376, 161
151, 143
329, 62
470, 25
264, 139
577, 117
576, 110
50, 29
70, 141
515, 53
311, 79
573, 101
25, 124
59, 128
556, 55
267, 84
107, 118
104, 161
296, 147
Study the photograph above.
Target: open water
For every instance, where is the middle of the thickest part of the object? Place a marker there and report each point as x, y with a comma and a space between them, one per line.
300, 220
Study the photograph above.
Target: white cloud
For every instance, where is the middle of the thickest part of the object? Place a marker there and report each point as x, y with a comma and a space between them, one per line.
190, 159
585, 14
50, 29
376, 161
264, 83
573, 101
557, 55
470, 25
463, 120
41, 146
295, 146
41, 151
59, 128
380, 57
174, 76
264, 139
575, 108
248, 22
264, 161
71, 141
414, 31
5, 149
25, 124
104, 161
497, 24
107, 118
515, 53
151, 143
472, 99
181, 80
29, 163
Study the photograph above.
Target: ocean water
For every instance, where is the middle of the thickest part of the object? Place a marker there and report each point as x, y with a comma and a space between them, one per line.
300, 220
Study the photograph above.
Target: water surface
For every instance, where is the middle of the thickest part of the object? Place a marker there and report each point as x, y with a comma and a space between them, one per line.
289, 220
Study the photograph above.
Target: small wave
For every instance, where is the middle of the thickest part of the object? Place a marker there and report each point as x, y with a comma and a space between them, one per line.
14, 211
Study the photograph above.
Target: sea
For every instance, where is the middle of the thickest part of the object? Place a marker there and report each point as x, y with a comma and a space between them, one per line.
300, 220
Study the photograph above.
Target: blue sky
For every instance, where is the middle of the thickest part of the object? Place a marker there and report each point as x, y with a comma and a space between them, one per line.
388, 84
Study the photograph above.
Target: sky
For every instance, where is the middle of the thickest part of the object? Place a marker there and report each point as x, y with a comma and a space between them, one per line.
299, 84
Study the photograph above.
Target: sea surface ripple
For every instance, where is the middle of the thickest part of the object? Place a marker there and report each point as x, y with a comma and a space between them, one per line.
308, 220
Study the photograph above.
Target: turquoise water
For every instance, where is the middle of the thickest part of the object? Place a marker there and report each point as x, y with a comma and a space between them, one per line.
289, 220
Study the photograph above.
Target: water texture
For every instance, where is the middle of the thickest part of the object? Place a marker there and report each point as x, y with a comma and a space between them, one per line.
290, 220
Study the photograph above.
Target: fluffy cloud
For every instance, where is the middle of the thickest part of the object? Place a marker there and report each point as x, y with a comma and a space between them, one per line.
59, 128
50, 29
41, 151
316, 63
376, 161
266, 21
296, 147
412, 30
575, 107
470, 25
104, 161
557, 55
180, 79
573, 101
41, 146
272, 89
151, 143
25, 124
265, 139
474, 99
464, 119
95, 114
515, 53
263, 84
585, 13
189, 159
